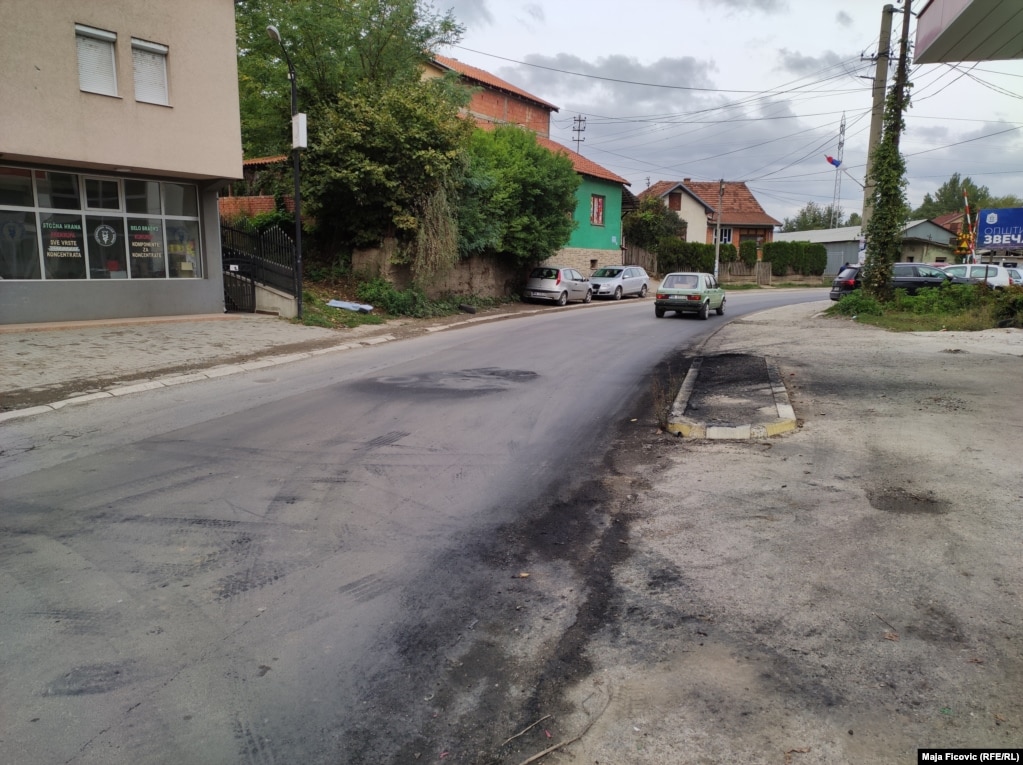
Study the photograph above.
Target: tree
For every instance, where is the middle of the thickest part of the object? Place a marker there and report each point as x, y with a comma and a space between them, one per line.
949, 198
854, 220
335, 47
814, 216
380, 159
520, 198
650, 223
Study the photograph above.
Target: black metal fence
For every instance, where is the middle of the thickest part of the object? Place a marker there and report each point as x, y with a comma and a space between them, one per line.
267, 257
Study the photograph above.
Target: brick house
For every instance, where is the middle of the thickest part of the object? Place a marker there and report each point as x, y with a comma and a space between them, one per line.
696, 202
597, 238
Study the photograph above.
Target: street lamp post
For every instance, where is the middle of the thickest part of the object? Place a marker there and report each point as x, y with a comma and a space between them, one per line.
298, 142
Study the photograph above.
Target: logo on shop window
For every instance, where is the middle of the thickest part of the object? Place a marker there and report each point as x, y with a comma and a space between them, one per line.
105, 235
13, 230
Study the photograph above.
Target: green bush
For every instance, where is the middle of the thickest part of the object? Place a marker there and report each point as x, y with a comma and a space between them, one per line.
800, 257
856, 303
675, 255
381, 294
1008, 308
748, 253
955, 298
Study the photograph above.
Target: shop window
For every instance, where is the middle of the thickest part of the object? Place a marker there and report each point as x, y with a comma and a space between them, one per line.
19, 245
105, 243
15, 187
63, 246
180, 199
152, 233
58, 191
597, 210
145, 248
142, 197
97, 70
102, 194
183, 248
149, 65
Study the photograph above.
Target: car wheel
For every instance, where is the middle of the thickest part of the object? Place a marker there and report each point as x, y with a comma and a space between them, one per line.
642, 291
659, 313
618, 293
705, 309
562, 299
721, 308
589, 296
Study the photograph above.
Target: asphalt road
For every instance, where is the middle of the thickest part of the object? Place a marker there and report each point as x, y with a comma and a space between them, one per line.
312, 563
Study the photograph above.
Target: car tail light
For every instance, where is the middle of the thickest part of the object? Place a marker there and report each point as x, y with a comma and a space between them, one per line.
848, 283
558, 280
692, 297
662, 296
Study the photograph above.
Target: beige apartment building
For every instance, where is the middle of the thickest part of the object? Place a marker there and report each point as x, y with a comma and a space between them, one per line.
119, 125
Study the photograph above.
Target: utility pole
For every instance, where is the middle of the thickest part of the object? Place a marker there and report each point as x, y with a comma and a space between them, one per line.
902, 73
579, 127
717, 231
884, 53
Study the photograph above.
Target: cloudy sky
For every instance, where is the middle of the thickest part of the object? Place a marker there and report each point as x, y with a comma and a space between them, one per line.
745, 90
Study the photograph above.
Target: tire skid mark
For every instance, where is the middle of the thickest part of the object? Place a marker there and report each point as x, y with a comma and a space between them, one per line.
254, 749
366, 588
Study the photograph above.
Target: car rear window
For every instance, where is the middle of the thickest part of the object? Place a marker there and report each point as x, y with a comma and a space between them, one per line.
544, 273
848, 273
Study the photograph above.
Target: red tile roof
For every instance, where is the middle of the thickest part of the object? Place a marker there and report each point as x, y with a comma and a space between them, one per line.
580, 163
260, 161
486, 78
950, 221
738, 205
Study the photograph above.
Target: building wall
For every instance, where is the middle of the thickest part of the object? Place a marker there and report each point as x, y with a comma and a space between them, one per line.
693, 213
50, 125
592, 236
502, 108
197, 135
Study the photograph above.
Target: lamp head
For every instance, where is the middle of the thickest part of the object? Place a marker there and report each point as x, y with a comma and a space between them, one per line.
273, 33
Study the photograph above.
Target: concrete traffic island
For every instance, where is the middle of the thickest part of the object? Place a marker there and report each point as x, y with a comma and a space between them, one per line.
731, 397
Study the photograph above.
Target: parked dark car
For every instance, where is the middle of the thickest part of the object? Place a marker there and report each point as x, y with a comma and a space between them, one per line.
911, 277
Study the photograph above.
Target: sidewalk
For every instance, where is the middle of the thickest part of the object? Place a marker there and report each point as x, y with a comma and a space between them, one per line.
44, 365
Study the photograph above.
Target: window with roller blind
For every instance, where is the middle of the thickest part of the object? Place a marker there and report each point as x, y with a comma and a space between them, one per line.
149, 64
97, 70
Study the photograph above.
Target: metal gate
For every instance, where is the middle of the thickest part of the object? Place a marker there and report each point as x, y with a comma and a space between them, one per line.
267, 258
239, 292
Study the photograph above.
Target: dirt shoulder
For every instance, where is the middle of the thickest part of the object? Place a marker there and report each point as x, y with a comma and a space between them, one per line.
845, 593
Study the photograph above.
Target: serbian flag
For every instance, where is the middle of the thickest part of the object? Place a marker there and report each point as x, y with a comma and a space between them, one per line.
832, 160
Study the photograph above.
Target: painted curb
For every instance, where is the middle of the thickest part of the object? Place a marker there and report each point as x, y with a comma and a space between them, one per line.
680, 425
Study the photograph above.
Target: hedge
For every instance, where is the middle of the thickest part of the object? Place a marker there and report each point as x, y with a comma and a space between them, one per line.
804, 258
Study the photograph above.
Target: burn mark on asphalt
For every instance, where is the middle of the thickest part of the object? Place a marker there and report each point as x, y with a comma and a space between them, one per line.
89, 679
903, 502
452, 383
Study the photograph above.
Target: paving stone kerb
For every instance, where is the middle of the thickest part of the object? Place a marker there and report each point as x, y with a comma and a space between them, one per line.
757, 407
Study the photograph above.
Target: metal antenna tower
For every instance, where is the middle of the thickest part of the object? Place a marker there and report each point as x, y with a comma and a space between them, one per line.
837, 195
579, 127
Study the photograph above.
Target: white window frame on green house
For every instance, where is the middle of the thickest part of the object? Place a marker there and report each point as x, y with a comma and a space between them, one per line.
97, 60
597, 204
149, 67
74, 234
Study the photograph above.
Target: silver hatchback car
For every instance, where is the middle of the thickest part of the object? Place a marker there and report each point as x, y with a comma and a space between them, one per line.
618, 281
559, 285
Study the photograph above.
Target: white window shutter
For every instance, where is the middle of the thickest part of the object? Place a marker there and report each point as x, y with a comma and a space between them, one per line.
96, 72
150, 69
